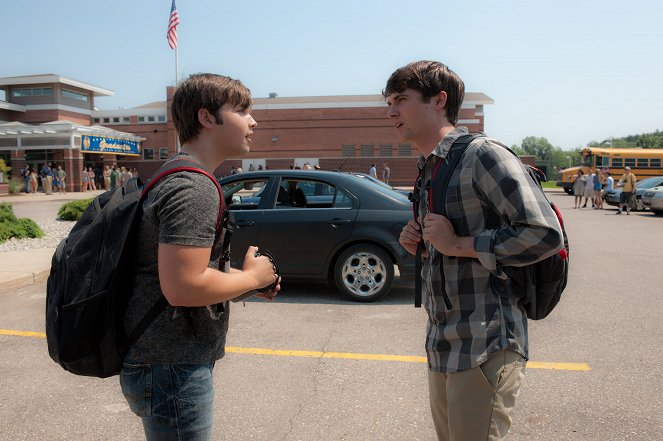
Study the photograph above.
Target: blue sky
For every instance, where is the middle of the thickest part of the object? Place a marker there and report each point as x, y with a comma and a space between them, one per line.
568, 70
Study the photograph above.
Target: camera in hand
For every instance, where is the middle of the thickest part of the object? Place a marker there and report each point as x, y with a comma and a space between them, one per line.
271, 287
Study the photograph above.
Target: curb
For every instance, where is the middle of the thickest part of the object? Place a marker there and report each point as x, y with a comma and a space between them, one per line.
24, 280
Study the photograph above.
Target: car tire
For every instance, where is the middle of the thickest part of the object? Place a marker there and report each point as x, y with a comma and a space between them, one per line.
639, 205
568, 190
364, 273
658, 212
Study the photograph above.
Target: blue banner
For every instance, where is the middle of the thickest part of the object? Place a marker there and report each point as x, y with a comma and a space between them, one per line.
99, 144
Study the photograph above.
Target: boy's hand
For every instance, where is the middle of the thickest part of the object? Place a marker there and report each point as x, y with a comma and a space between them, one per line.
439, 231
260, 268
269, 296
410, 237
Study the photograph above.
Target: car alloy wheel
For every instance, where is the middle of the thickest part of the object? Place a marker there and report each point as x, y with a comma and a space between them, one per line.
364, 273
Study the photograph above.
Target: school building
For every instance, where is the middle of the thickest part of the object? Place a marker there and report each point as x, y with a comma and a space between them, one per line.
54, 118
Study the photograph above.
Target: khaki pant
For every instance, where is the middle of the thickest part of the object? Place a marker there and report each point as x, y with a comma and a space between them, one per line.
475, 404
47, 183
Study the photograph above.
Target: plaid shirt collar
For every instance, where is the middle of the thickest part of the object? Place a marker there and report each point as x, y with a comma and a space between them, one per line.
442, 148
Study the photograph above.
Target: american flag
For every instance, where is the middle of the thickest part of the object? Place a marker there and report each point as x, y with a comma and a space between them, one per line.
171, 35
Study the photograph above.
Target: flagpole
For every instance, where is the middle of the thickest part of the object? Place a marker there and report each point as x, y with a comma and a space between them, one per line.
177, 64
171, 36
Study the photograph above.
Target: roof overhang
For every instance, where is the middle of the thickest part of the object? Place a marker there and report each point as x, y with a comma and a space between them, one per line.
63, 127
342, 101
4, 105
52, 78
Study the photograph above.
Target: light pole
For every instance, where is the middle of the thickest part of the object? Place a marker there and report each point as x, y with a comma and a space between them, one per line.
569, 158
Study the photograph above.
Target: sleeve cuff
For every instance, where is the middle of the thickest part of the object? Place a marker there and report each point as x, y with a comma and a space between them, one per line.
484, 246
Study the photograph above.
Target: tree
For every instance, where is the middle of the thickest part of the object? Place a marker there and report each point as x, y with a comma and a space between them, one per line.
539, 147
649, 141
518, 150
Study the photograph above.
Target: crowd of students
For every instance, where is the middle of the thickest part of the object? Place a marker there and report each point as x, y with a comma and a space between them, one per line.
54, 178
598, 183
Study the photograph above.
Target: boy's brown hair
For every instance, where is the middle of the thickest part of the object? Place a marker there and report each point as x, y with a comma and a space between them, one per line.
429, 78
205, 91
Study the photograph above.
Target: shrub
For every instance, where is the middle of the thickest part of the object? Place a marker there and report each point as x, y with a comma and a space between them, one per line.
72, 211
10, 226
6, 210
16, 185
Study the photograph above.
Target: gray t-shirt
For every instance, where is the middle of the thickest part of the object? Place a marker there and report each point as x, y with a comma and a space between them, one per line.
181, 209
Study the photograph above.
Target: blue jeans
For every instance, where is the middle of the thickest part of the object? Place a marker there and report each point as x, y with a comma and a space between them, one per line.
175, 402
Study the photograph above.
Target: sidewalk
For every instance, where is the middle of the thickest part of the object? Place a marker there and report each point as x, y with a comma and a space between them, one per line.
27, 267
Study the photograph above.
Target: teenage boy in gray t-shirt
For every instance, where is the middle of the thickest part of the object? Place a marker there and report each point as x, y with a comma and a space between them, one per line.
167, 375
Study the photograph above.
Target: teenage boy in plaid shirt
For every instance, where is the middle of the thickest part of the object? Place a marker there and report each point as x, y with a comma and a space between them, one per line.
477, 349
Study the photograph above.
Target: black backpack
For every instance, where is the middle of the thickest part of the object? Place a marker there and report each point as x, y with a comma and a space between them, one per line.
539, 285
90, 280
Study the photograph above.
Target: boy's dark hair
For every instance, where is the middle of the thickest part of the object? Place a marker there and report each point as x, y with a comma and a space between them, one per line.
429, 78
205, 91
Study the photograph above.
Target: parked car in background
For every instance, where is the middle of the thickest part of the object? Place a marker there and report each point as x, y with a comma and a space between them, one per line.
323, 226
612, 197
653, 199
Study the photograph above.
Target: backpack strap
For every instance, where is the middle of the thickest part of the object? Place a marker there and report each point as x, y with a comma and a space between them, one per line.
442, 171
184, 164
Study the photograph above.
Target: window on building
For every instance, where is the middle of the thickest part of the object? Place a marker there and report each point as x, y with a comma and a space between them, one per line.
404, 150
141, 119
163, 153
116, 119
385, 150
32, 91
655, 163
66, 93
150, 118
348, 150
367, 150
617, 162
106, 120
148, 153
126, 119
629, 162
96, 120
161, 118
643, 162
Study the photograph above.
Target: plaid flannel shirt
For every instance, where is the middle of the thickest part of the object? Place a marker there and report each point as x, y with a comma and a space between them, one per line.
488, 181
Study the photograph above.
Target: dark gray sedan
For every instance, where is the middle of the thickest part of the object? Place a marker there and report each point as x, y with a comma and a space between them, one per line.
323, 226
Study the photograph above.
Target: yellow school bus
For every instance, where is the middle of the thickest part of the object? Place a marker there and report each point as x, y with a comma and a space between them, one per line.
643, 162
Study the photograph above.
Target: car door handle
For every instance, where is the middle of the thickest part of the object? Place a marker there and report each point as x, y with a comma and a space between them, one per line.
339, 222
243, 223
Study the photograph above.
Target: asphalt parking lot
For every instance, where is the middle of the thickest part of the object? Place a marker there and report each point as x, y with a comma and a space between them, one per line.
313, 366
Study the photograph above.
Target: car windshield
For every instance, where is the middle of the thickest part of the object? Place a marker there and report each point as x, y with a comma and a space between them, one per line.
649, 182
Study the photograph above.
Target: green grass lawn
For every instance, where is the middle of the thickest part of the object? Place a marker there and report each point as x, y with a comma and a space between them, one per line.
549, 184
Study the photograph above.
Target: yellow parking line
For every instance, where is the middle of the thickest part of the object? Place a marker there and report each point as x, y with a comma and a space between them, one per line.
22, 333
386, 357
318, 354
558, 366
342, 355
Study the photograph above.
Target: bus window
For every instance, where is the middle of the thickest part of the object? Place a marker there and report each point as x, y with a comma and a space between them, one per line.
643, 162
617, 162
588, 160
629, 162
655, 163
